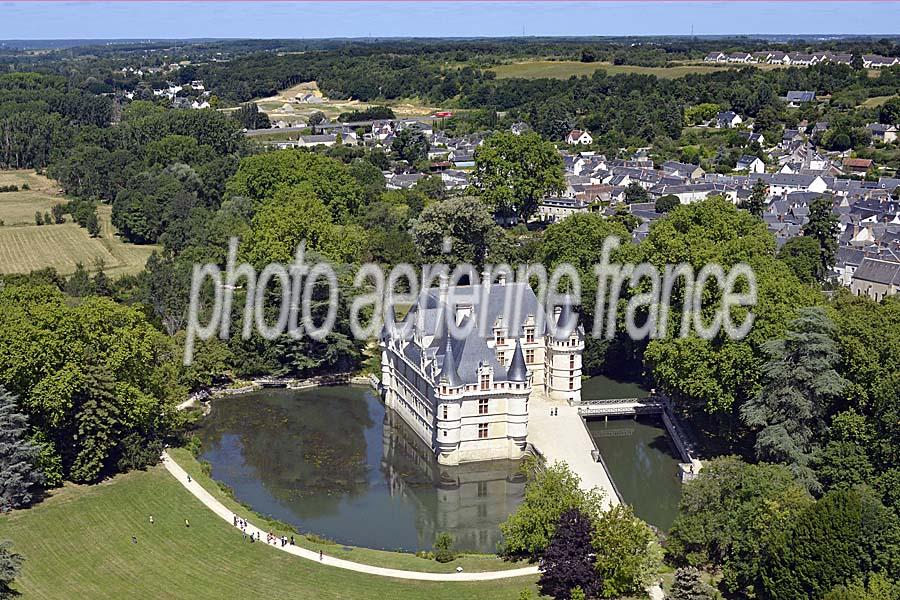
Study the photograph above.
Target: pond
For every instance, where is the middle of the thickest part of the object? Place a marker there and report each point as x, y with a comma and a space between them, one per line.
639, 453
333, 461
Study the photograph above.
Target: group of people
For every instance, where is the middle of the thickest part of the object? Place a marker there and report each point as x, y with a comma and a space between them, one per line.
271, 538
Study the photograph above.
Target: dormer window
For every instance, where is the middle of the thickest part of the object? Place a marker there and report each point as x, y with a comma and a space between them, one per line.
499, 338
485, 381
501, 358
529, 335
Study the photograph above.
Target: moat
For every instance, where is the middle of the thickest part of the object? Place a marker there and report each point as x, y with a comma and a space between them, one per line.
334, 462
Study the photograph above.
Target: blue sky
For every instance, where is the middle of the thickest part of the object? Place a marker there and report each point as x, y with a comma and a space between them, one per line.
78, 20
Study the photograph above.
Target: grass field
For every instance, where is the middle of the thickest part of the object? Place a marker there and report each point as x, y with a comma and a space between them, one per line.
26, 247
77, 544
565, 69
18, 208
876, 101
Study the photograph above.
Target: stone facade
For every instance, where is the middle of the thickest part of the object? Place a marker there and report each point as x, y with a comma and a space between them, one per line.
467, 396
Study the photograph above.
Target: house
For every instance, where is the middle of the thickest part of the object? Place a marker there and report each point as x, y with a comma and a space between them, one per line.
876, 278
728, 119
802, 60
762, 57
859, 166
577, 136
876, 61
519, 128
685, 170
883, 133
715, 57
308, 141
740, 57
754, 138
779, 58
786, 183
557, 208
466, 395
751, 164
795, 98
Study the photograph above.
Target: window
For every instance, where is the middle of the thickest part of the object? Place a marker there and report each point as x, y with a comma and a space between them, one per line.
501, 358
571, 383
529, 356
529, 335
483, 406
571, 361
482, 431
482, 511
445, 433
485, 381
445, 411
500, 339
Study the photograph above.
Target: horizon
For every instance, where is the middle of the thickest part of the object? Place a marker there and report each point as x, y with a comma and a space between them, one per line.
241, 20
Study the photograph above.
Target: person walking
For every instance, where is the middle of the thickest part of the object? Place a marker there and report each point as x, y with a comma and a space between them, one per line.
151, 519
187, 523
134, 539
189, 478
320, 556
292, 540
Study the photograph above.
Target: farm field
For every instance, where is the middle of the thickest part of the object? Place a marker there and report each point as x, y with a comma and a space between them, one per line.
77, 544
299, 112
26, 247
565, 69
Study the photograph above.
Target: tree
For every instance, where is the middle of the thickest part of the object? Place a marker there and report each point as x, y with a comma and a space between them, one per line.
568, 560
466, 222
250, 117
823, 226
803, 255
634, 193
443, 548
628, 558
20, 477
801, 383
889, 113
93, 225
79, 283
756, 202
726, 511
876, 586
666, 203
411, 146
38, 218
689, 586
10, 565
548, 494
845, 534
513, 173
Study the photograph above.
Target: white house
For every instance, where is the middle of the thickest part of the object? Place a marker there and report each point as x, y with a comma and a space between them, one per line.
467, 395
577, 136
728, 119
751, 164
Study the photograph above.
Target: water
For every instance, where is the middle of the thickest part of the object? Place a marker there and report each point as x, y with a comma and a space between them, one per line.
642, 460
333, 461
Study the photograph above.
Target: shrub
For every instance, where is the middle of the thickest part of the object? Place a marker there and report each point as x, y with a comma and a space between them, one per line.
443, 548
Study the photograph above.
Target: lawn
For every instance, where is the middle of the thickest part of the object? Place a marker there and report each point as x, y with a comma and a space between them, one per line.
565, 69
77, 544
26, 247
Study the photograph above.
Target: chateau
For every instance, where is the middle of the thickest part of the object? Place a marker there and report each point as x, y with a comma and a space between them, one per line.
467, 396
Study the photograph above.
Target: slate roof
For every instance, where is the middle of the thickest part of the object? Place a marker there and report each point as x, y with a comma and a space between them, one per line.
878, 271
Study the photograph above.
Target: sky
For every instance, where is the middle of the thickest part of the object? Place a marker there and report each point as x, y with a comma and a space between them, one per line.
236, 19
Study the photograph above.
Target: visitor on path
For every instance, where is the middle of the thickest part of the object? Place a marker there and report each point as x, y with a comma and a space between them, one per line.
151, 519
243, 536
292, 540
189, 478
187, 523
320, 556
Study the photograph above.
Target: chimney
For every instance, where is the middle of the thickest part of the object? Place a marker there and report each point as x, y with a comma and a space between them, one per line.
502, 278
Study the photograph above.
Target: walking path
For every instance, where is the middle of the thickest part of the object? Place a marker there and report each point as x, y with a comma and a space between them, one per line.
217, 507
563, 437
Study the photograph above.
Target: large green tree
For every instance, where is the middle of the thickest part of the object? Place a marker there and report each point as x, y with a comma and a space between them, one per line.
823, 226
627, 555
465, 222
20, 477
789, 414
513, 173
